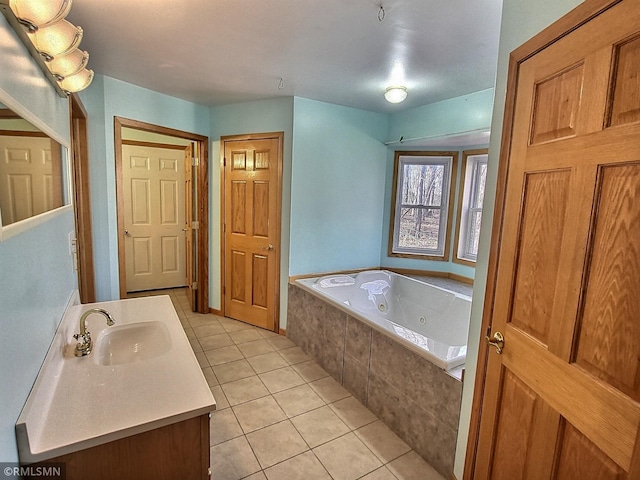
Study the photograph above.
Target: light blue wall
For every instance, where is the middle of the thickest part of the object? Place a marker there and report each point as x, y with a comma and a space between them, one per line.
338, 184
36, 271
105, 99
467, 113
521, 20
264, 116
457, 115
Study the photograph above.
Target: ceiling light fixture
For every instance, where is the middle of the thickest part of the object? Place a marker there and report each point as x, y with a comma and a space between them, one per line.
395, 94
52, 41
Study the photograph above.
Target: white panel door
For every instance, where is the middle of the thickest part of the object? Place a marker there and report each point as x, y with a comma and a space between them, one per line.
154, 217
28, 185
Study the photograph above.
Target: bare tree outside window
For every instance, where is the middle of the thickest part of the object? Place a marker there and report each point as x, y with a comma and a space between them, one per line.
472, 187
421, 202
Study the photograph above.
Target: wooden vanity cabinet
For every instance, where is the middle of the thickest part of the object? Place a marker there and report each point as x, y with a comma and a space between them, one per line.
176, 451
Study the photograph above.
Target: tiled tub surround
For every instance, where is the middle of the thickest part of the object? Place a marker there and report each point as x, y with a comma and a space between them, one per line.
428, 319
419, 401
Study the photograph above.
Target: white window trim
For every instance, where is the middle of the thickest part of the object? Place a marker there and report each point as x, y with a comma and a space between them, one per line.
470, 195
435, 158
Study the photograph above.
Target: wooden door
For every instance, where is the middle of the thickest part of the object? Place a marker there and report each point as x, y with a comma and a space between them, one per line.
154, 217
252, 174
562, 400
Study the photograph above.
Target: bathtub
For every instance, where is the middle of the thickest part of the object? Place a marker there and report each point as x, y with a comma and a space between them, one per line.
431, 321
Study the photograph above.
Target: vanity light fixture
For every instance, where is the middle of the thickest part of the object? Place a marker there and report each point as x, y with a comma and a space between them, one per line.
51, 41
395, 94
37, 14
77, 82
60, 38
66, 65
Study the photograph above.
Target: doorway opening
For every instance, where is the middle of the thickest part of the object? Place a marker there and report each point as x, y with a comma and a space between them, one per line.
162, 204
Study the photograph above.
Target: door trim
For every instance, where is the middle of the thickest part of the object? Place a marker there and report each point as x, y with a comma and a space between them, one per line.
82, 199
202, 209
562, 27
235, 138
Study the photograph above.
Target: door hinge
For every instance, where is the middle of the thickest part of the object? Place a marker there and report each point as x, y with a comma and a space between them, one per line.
195, 161
224, 290
224, 162
195, 225
194, 286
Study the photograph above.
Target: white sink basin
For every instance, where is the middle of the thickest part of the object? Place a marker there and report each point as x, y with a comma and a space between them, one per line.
133, 342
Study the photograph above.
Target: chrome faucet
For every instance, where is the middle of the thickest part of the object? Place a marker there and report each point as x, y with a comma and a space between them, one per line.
84, 346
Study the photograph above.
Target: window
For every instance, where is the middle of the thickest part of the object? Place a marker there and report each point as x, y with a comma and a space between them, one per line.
471, 198
422, 193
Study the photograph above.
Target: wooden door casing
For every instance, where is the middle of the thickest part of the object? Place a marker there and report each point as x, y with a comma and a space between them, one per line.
562, 400
189, 237
251, 224
200, 207
82, 198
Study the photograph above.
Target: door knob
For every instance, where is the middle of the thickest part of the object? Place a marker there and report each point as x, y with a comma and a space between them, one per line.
268, 247
498, 342
126, 233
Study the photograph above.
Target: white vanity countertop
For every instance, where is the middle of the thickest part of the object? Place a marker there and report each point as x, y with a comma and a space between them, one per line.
77, 403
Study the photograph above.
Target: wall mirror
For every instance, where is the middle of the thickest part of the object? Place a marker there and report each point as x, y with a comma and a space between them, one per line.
34, 176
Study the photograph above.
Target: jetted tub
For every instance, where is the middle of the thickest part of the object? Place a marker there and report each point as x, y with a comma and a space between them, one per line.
427, 319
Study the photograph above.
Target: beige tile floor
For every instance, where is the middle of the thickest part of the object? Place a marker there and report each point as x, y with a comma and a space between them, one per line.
280, 416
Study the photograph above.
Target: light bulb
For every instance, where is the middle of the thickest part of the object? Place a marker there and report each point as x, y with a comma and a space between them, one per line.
40, 13
77, 82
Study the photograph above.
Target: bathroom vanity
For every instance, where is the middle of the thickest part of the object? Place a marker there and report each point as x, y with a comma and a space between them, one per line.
136, 407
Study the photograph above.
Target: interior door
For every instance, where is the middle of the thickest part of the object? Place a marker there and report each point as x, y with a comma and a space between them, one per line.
562, 398
252, 229
154, 217
30, 171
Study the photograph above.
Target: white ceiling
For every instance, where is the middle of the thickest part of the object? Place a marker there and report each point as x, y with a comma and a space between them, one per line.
217, 52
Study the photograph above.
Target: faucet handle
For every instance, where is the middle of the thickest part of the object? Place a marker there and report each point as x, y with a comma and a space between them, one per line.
83, 347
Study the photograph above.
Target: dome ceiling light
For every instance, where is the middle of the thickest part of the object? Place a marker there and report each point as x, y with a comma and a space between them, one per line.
395, 94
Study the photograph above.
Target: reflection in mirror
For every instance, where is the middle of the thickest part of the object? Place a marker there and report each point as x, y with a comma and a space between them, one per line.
31, 170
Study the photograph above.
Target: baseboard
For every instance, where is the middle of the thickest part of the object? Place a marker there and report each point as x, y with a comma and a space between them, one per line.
216, 312
283, 331
460, 278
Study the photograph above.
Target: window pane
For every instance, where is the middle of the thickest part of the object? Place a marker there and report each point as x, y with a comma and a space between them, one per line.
474, 233
422, 184
419, 228
480, 183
